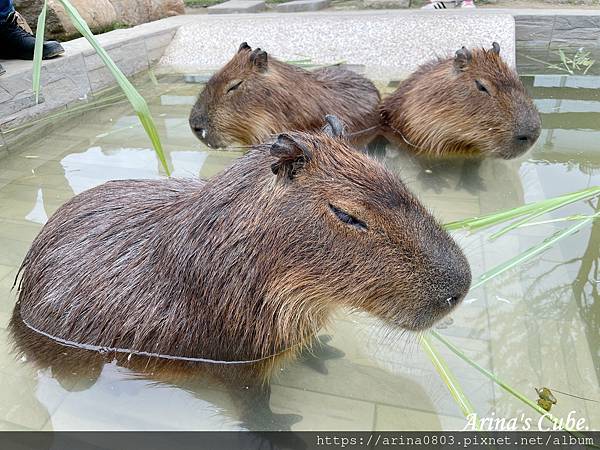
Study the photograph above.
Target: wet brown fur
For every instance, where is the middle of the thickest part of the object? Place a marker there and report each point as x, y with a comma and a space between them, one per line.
439, 110
247, 265
275, 96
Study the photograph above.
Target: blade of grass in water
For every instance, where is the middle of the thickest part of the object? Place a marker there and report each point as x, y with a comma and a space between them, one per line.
550, 208
572, 218
493, 377
38, 51
137, 101
448, 377
530, 253
532, 210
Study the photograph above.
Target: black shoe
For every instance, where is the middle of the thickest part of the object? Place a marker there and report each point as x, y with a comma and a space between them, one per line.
2, 70
19, 44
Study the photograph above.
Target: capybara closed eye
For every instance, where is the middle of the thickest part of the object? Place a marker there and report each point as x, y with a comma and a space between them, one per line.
255, 96
246, 265
472, 104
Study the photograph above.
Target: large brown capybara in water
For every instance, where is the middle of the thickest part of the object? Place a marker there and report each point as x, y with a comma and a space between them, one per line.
255, 96
473, 104
245, 266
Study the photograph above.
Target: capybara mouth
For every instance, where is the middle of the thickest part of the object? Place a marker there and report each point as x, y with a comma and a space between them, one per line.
426, 319
208, 138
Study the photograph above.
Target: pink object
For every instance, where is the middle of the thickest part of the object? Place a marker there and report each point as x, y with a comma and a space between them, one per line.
468, 4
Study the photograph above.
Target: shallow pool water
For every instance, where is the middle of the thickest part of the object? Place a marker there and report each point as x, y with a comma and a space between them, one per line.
536, 325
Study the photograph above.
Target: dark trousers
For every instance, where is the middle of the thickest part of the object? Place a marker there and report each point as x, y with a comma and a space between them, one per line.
6, 8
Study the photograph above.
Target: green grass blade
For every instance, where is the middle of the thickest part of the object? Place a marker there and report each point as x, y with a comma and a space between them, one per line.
38, 52
494, 378
572, 218
531, 252
551, 207
448, 377
478, 223
137, 101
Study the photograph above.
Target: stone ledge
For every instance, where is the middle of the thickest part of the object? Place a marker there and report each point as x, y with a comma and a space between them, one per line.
237, 7
78, 75
302, 5
386, 4
387, 43
558, 31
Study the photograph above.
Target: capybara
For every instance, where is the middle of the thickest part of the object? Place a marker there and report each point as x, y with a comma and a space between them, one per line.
255, 96
247, 265
473, 104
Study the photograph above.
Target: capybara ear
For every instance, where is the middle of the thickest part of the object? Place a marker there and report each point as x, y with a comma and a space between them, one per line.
292, 155
462, 58
260, 59
334, 126
244, 46
496, 48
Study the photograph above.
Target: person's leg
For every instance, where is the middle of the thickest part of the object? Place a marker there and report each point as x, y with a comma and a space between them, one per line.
16, 40
6, 9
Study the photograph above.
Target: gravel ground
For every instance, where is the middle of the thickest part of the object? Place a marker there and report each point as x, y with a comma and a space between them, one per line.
388, 43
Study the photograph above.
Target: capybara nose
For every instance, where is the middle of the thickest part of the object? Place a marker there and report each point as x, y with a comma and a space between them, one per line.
199, 131
457, 284
529, 130
527, 139
451, 301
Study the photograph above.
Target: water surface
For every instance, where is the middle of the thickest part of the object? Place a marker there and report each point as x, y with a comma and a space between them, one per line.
537, 325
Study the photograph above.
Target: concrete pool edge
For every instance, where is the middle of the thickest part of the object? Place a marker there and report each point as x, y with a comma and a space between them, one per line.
78, 75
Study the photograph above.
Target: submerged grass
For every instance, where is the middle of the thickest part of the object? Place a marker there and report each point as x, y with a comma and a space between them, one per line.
530, 252
448, 378
530, 211
546, 414
137, 101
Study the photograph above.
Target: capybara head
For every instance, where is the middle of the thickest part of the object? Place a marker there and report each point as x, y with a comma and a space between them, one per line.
255, 96
247, 265
363, 238
472, 104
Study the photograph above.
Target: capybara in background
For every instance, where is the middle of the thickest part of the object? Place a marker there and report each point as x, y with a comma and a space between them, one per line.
255, 96
247, 265
473, 104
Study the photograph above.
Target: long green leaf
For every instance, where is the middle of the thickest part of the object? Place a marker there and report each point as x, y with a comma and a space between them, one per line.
551, 207
479, 223
530, 253
38, 52
572, 218
137, 101
448, 377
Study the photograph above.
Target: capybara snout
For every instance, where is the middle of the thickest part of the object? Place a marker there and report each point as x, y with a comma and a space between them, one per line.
472, 104
247, 265
255, 96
